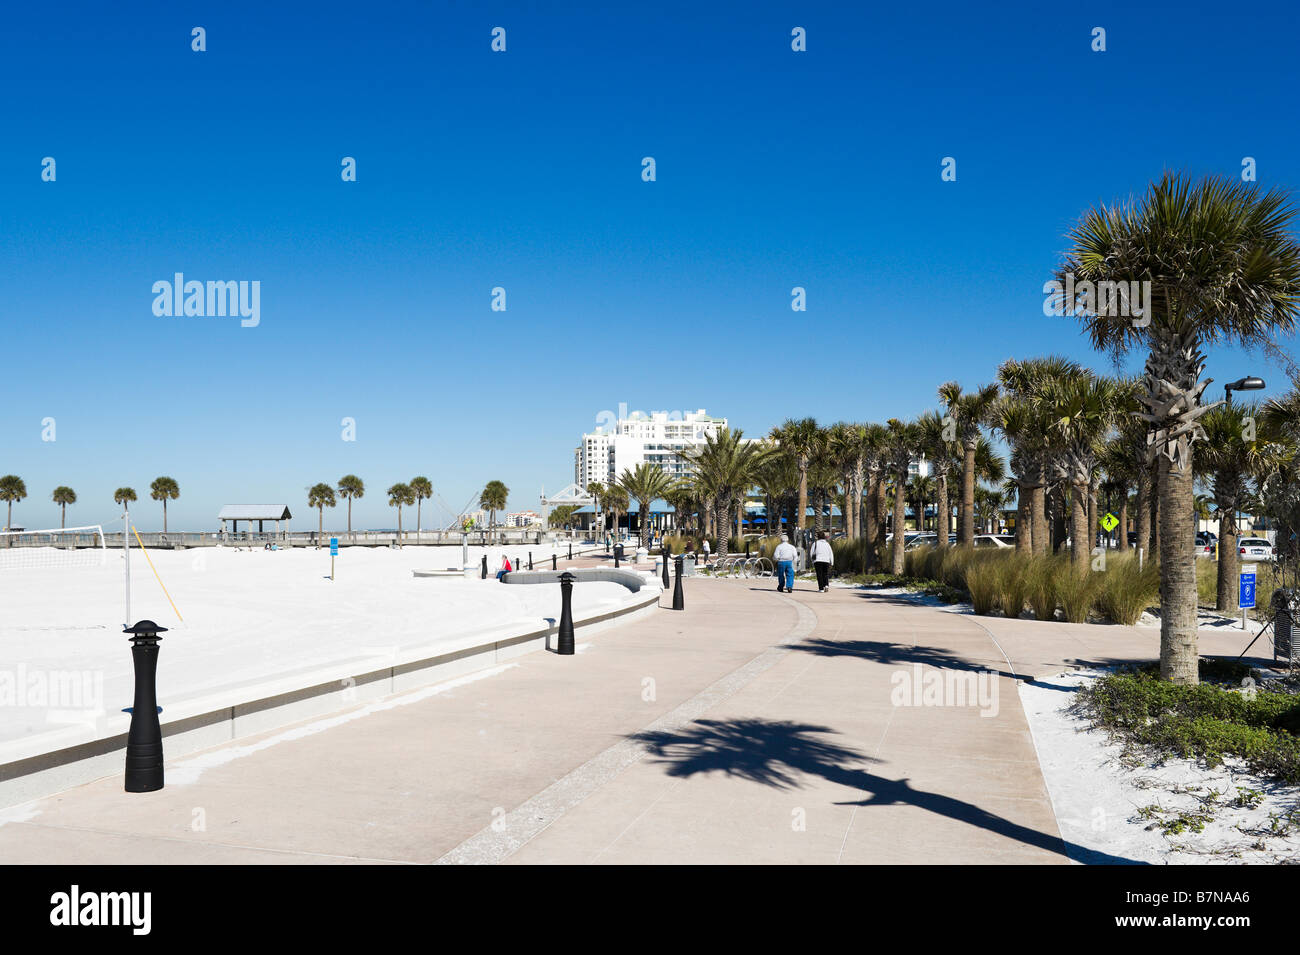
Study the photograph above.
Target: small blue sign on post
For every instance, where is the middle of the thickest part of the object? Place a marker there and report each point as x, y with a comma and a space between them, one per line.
1247, 600
334, 546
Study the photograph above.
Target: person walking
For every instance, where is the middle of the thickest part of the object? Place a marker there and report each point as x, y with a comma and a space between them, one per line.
785, 555
705, 550
822, 559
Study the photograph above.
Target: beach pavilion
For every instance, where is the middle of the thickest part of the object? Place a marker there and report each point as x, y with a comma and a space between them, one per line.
253, 512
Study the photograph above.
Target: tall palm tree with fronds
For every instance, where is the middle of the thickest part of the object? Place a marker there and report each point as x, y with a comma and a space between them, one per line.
1240, 447
903, 443
597, 491
321, 496
645, 483
1082, 410
970, 411
617, 501
63, 496
492, 499
776, 476
400, 495
933, 444
350, 486
422, 488
801, 437
123, 496
1223, 266
725, 466
12, 489
164, 489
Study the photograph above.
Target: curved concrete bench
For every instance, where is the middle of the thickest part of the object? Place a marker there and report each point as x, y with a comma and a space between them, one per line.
630, 579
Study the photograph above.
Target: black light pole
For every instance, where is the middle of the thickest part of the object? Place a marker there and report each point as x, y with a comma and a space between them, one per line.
484, 567
564, 636
144, 749
679, 601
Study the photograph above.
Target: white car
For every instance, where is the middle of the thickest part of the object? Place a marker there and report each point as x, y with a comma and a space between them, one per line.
1255, 548
994, 540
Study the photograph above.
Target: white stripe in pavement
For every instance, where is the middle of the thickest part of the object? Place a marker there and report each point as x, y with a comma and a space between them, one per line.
516, 829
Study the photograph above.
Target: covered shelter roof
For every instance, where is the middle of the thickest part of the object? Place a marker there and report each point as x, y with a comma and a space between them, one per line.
255, 512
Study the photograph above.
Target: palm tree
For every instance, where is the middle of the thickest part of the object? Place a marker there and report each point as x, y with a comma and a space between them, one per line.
969, 412
124, 496
398, 495
422, 488
903, 441
645, 483
164, 489
321, 496
776, 476
63, 496
493, 499
932, 444
597, 492
801, 438
1232, 455
12, 489
1082, 410
1223, 267
725, 466
617, 501
351, 486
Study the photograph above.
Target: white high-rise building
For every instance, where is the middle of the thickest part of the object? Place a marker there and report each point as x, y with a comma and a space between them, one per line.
656, 438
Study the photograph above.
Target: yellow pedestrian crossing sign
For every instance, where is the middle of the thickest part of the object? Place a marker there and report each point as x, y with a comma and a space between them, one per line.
1109, 522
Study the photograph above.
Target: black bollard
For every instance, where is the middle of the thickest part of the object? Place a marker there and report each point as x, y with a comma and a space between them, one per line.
667, 555
553, 564
618, 551
564, 636
484, 567
747, 549
144, 749
679, 602
530, 560
570, 550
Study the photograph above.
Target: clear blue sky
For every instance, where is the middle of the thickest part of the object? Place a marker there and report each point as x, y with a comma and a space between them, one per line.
522, 170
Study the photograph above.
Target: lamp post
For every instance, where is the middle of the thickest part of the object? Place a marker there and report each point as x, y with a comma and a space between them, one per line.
144, 749
564, 636
1249, 383
667, 555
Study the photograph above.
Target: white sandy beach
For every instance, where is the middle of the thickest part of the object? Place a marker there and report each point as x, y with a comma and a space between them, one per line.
248, 617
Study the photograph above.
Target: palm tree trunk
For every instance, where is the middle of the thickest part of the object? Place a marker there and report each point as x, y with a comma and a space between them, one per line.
900, 503
164, 515
321, 532
720, 510
1179, 655
63, 516
803, 494
871, 530
942, 515
1123, 517
1143, 520
1079, 549
1024, 520
1039, 537
966, 534
1058, 518
1092, 516
1229, 558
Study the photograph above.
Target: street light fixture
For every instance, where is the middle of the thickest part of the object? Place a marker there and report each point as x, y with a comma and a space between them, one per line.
1249, 383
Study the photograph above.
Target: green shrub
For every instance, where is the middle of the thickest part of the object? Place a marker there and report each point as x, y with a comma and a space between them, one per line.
1014, 577
984, 584
1206, 721
1040, 587
1125, 591
1076, 590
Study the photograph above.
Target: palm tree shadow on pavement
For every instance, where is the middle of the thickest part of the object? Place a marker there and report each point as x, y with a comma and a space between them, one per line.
778, 753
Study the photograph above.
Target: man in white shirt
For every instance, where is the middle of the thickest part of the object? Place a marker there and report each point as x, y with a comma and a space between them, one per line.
785, 556
822, 558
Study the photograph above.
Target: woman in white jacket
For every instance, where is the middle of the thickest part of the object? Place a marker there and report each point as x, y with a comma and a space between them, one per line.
822, 558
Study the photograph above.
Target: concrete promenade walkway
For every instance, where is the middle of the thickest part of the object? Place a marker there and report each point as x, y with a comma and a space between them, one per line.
752, 727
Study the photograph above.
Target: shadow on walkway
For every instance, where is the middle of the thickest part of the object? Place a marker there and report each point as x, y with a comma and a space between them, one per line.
777, 753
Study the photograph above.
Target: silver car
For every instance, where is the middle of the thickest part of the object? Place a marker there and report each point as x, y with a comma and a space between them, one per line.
1255, 548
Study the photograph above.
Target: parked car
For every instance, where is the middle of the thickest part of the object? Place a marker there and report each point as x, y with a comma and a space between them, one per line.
1205, 544
994, 540
1255, 548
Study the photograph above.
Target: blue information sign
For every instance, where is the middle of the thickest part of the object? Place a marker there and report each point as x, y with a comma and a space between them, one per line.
334, 546
1247, 600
